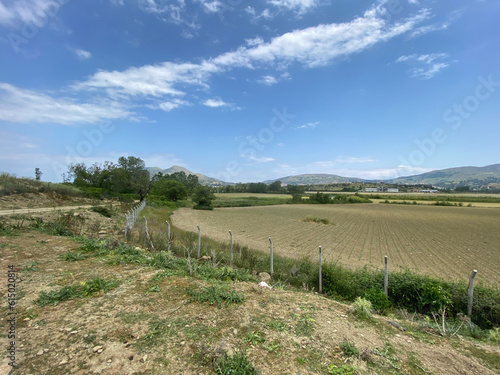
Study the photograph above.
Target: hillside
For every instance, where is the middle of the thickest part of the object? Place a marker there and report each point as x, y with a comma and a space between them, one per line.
475, 177
203, 179
313, 179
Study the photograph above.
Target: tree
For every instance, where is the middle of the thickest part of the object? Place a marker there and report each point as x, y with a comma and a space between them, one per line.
203, 197
38, 174
173, 190
275, 187
138, 177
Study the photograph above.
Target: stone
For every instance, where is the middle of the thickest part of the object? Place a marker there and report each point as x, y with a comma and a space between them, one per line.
63, 362
206, 257
96, 348
40, 352
264, 276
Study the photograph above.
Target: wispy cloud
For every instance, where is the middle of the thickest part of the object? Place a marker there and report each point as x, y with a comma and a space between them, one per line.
28, 106
30, 12
309, 125
261, 159
299, 6
268, 80
427, 66
81, 54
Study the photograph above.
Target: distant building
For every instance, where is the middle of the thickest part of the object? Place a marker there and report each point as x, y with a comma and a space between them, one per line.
393, 190
429, 191
371, 190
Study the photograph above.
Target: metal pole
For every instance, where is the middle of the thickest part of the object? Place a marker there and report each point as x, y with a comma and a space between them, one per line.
199, 240
471, 293
231, 250
386, 277
168, 236
320, 271
271, 255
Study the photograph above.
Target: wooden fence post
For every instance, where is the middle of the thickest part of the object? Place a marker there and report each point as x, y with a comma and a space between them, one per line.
386, 277
471, 293
199, 240
231, 249
320, 272
271, 255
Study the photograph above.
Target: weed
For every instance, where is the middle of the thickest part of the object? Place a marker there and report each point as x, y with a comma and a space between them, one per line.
255, 337
362, 308
349, 349
84, 289
104, 211
494, 335
72, 257
343, 370
33, 267
215, 294
278, 325
274, 346
305, 326
238, 364
318, 220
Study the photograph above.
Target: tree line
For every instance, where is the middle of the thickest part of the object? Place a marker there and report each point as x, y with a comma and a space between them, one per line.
129, 178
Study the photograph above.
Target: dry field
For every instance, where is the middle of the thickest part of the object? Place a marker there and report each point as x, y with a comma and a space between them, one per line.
440, 241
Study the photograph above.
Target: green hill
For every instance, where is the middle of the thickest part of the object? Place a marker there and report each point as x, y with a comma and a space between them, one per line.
475, 177
204, 180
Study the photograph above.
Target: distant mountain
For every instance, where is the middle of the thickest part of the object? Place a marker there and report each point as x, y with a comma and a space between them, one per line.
315, 179
204, 180
475, 177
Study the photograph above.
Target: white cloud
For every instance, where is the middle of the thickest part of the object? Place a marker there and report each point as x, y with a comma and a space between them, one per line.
28, 106
173, 11
428, 29
211, 6
427, 66
30, 12
81, 54
215, 103
173, 104
268, 80
353, 159
309, 125
262, 159
299, 6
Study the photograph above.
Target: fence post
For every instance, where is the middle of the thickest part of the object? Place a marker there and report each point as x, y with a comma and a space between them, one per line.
168, 235
199, 240
271, 255
231, 249
471, 293
386, 277
320, 271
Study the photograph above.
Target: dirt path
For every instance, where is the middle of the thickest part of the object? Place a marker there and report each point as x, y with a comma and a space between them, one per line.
21, 211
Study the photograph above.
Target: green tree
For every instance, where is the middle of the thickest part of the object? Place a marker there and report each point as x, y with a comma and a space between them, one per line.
203, 197
275, 187
38, 174
173, 190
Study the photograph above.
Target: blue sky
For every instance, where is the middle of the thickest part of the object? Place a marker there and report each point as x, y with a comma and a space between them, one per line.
249, 91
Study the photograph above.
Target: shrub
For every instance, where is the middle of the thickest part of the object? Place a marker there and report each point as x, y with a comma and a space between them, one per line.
362, 308
215, 294
104, 211
379, 300
349, 349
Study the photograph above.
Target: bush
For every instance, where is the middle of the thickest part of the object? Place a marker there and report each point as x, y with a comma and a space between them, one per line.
104, 211
379, 300
362, 308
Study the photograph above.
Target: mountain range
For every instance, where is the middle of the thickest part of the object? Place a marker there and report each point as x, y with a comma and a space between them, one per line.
475, 177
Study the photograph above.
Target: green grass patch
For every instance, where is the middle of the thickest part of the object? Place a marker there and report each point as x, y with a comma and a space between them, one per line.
84, 289
215, 295
315, 219
104, 211
237, 364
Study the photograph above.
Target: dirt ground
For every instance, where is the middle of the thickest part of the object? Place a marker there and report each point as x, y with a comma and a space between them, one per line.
109, 333
37, 200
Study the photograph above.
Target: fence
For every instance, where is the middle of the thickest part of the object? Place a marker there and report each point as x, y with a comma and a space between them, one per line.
470, 295
132, 216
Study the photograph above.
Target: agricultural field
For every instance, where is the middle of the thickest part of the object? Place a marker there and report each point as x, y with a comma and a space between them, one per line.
440, 241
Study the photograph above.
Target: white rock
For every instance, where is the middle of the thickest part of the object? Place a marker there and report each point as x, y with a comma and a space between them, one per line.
263, 284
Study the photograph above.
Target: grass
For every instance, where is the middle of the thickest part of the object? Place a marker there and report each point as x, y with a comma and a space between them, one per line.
88, 288
315, 219
238, 364
349, 349
215, 295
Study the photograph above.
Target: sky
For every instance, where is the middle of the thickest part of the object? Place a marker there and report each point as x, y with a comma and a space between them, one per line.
250, 91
